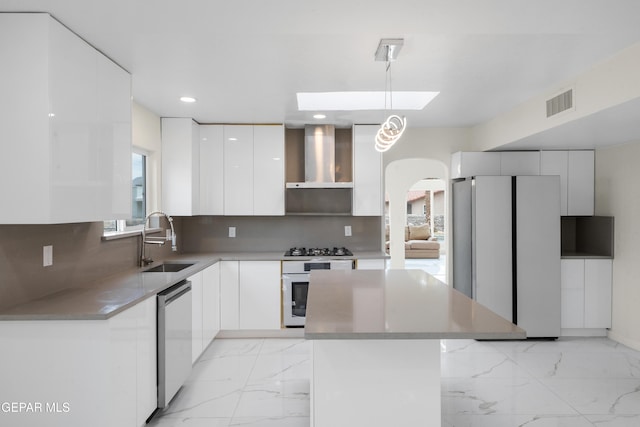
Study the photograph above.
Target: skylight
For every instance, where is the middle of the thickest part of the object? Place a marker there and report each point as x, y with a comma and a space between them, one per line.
349, 101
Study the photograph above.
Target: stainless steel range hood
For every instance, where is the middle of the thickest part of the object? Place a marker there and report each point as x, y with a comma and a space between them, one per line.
319, 159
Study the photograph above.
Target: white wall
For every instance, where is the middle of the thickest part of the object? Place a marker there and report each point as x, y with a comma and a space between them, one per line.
606, 85
430, 143
146, 135
618, 195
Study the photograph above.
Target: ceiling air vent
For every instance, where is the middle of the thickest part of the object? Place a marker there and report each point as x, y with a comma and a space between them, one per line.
560, 103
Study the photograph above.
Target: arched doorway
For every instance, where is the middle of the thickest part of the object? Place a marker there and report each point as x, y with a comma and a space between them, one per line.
425, 220
400, 176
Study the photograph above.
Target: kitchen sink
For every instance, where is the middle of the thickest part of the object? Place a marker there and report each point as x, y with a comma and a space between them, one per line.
167, 267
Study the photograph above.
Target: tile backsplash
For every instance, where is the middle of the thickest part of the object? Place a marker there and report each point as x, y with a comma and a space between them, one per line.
279, 233
81, 258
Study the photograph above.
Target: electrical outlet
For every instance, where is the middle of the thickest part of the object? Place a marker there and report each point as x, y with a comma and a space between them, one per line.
347, 230
232, 232
47, 256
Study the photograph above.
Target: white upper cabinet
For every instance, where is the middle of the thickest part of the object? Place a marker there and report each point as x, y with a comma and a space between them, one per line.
180, 167
211, 170
238, 170
367, 172
65, 114
581, 183
253, 170
555, 163
465, 164
268, 170
222, 169
518, 163
576, 170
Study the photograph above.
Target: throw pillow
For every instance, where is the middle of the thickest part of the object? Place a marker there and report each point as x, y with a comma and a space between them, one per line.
419, 232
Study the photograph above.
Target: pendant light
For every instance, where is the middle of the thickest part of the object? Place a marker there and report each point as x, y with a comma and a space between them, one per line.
393, 127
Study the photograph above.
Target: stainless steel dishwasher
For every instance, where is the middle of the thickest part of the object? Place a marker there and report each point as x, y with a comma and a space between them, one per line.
174, 340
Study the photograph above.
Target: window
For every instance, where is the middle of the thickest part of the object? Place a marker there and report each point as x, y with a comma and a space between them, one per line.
138, 189
138, 196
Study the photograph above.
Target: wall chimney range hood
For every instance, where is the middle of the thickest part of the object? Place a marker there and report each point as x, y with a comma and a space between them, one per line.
319, 159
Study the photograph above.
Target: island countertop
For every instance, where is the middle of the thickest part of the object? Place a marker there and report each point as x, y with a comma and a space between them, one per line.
396, 304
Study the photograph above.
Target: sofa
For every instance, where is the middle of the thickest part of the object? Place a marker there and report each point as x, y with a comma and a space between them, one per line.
418, 242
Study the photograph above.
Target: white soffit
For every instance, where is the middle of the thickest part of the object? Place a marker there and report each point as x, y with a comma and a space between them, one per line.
363, 100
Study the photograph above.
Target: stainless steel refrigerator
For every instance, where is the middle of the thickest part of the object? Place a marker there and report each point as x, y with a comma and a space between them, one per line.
506, 248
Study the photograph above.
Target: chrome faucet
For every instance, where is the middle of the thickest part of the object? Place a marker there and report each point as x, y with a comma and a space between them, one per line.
144, 260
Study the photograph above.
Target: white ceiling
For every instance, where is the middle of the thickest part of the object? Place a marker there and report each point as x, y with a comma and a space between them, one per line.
244, 60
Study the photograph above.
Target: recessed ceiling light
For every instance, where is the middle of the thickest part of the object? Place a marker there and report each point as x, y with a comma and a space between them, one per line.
319, 116
187, 99
233, 139
349, 101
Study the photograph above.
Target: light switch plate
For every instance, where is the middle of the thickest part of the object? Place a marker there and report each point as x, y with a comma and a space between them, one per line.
347, 230
232, 232
47, 256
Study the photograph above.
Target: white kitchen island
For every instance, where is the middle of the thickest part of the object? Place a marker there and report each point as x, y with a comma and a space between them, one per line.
376, 344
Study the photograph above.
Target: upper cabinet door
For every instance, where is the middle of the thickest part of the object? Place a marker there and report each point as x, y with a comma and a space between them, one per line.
581, 183
180, 166
66, 109
555, 163
576, 170
114, 135
367, 172
514, 163
211, 170
238, 170
466, 164
268, 170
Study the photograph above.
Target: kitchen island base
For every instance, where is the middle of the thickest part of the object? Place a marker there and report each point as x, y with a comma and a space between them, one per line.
376, 344
375, 383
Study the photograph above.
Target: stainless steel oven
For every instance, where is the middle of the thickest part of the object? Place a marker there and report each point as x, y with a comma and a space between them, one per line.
295, 286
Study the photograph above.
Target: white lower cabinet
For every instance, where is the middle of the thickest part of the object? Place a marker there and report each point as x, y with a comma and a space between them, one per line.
370, 264
597, 293
82, 372
260, 294
210, 304
229, 295
196, 316
586, 293
146, 360
250, 295
205, 288
572, 293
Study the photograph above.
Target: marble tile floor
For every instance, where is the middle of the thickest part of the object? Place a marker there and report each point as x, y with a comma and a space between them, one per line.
577, 382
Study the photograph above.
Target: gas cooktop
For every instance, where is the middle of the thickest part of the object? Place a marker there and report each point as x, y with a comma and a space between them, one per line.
342, 251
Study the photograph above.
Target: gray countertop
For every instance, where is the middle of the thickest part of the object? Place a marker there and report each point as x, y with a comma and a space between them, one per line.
105, 299
396, 304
